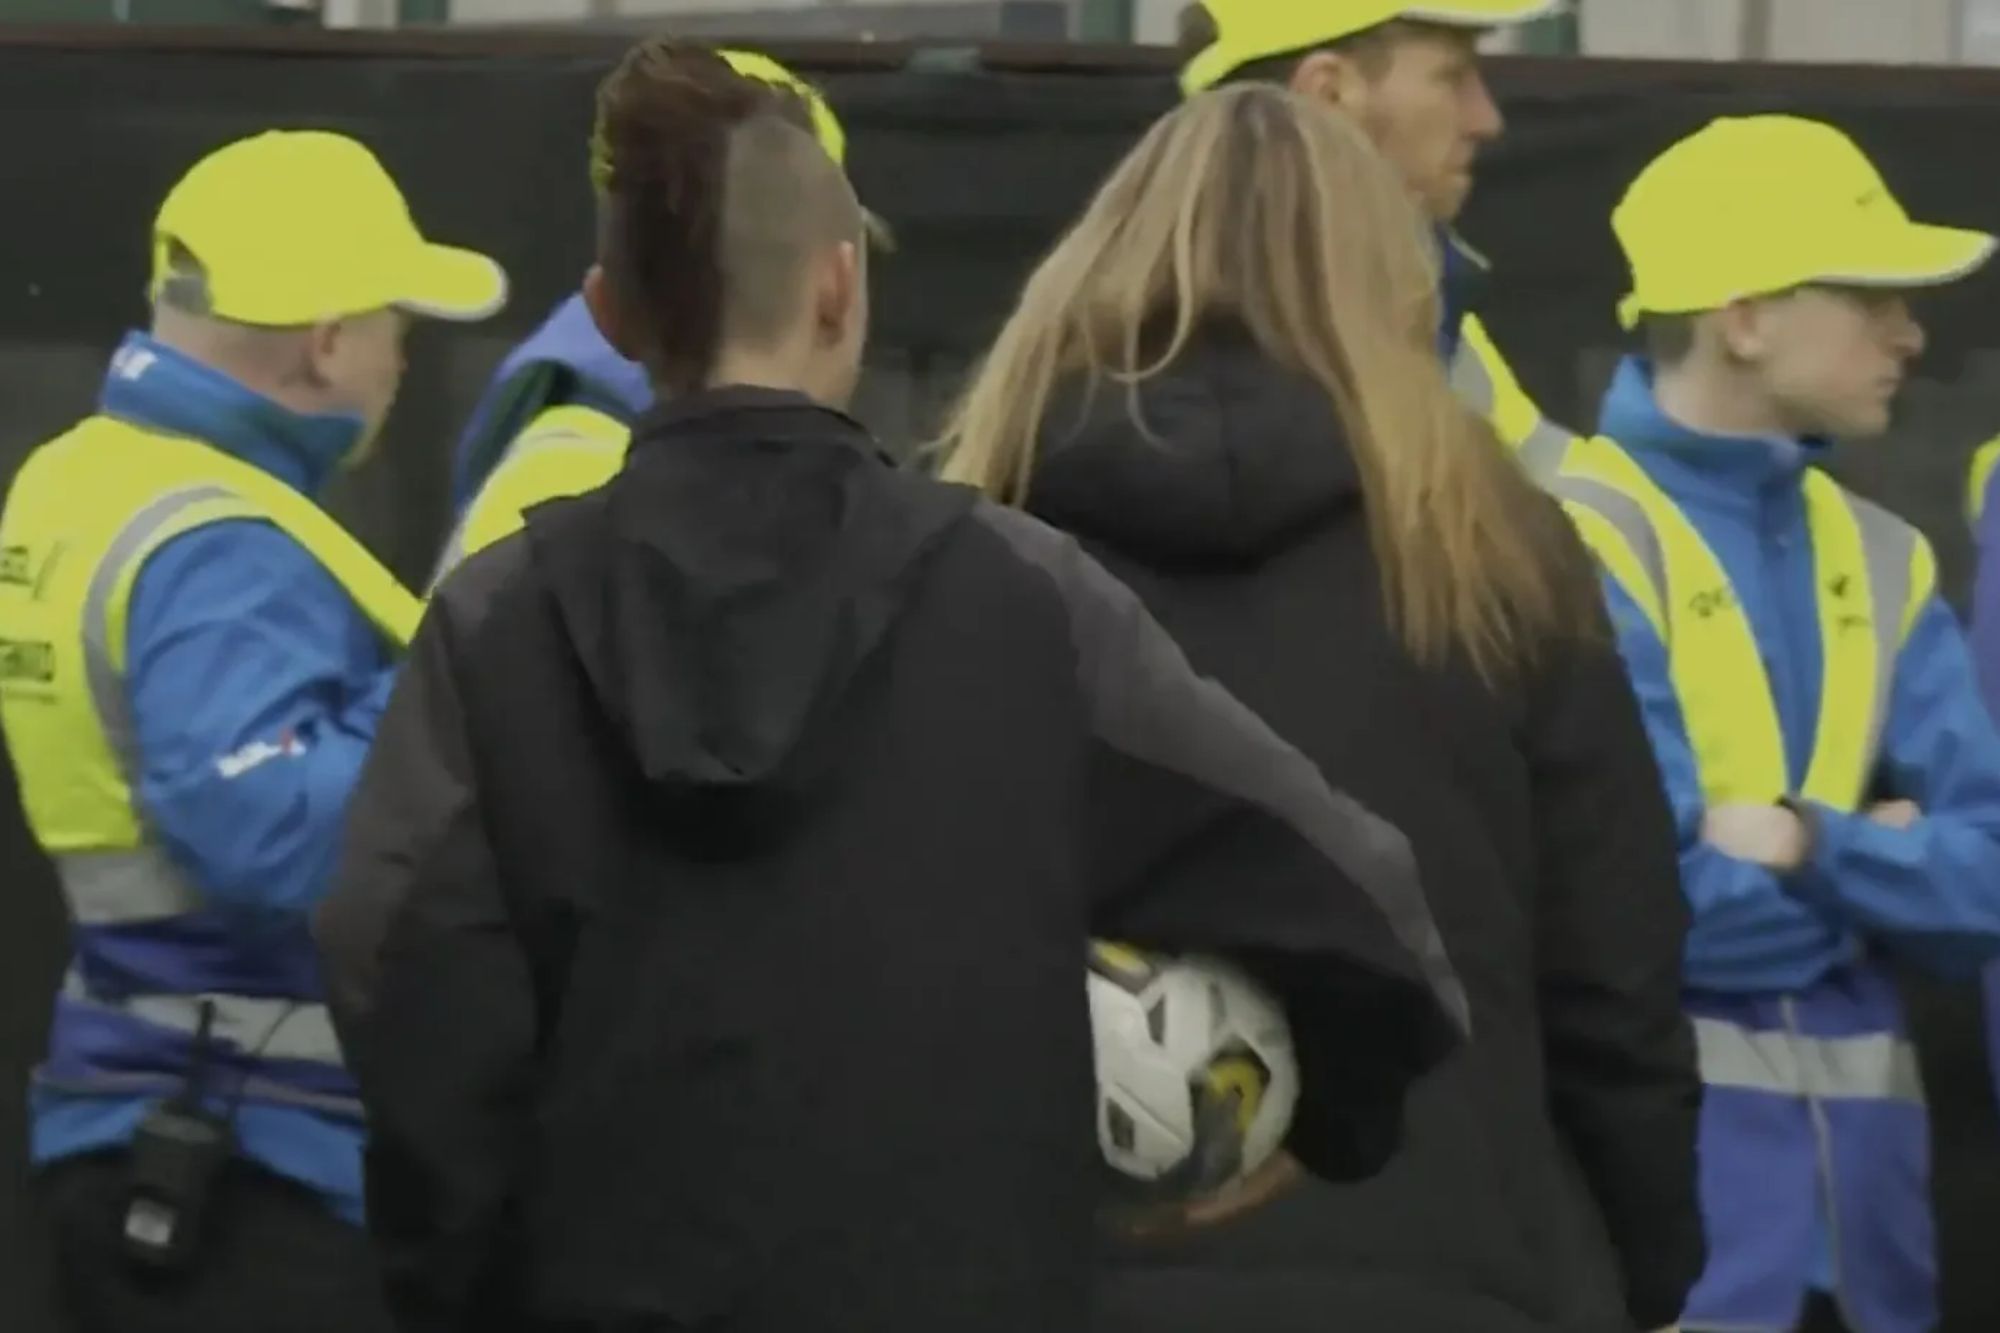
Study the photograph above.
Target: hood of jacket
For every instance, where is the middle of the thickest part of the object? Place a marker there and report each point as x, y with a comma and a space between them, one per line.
723, 591
1221, 456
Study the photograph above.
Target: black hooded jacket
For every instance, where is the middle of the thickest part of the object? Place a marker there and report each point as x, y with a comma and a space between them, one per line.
709, 941
1546, 845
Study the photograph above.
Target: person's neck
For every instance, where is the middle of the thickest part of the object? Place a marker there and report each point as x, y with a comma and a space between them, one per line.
761, 370
252, 367
1711, 403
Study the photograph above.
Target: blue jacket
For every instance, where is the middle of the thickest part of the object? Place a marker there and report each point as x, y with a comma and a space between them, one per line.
565, 361
1932, 892
235, 635
1461, 280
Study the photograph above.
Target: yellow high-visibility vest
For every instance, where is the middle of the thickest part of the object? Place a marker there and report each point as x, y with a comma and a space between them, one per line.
1875, 573
85, 512
563, 451
1984, 459
1485, 383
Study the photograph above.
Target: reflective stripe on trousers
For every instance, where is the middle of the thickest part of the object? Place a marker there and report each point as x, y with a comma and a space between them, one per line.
1876, 1065
265, 1028
153, 1086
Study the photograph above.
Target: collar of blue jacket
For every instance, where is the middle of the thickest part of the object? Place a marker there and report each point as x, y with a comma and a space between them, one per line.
1462, 273
150, 384
1692, 463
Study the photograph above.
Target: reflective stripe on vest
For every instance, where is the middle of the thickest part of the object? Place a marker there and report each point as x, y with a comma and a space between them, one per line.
1484, 383
101, 670
1873, 574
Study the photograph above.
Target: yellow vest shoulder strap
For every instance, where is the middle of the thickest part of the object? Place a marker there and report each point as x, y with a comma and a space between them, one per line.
205, 485
571, 426
563, 451
1978, 477
86, 512
1485, 382
1662, 563
1875, 573
253, 493
1598, 492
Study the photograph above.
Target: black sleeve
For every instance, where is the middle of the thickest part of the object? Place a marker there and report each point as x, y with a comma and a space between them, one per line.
1207, 833
432, 998
1623, 1084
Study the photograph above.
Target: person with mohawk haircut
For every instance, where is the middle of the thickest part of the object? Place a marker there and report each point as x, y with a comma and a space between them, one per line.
556, 418
711, 931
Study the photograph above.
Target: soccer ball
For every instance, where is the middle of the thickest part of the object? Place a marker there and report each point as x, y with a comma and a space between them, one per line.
1196, 1081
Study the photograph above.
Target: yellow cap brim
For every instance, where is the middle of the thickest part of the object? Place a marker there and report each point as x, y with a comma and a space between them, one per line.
1910, 255
445, 282
1914, 255
1480, 13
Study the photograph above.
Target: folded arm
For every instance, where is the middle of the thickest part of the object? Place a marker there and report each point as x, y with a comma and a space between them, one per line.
1931, 888
1746, 933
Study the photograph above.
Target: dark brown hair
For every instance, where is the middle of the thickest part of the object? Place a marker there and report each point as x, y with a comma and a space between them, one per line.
660, 160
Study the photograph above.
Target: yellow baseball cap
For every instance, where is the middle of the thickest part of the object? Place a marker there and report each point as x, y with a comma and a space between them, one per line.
1259, 29
1757, 205
827, 128
297, 227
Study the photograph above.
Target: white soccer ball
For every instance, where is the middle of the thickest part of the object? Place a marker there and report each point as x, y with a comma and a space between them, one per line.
1196, 1080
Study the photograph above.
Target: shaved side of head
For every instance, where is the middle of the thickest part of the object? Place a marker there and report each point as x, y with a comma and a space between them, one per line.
785, 202
716, 201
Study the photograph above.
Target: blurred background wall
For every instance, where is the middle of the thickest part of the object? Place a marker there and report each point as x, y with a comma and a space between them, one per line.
1873, 31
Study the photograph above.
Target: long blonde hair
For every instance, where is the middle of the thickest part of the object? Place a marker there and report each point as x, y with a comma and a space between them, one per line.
1253, 204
